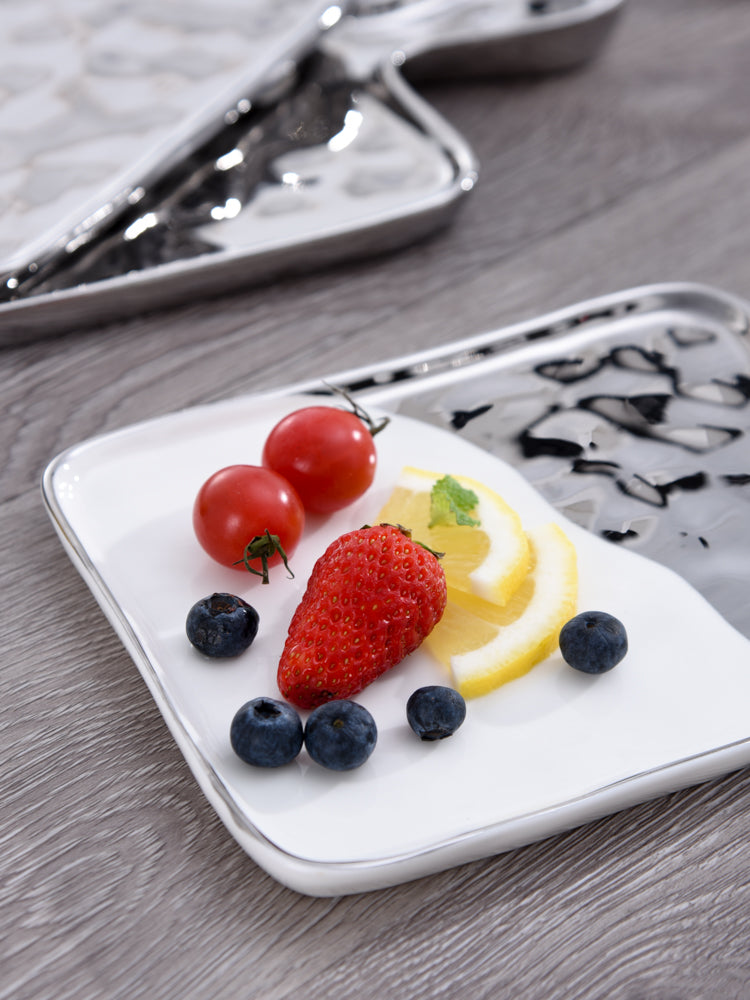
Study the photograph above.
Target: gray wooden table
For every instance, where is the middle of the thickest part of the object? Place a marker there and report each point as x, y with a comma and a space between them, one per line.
118, 880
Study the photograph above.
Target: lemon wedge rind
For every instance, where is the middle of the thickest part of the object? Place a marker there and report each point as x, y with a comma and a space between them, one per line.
533, 635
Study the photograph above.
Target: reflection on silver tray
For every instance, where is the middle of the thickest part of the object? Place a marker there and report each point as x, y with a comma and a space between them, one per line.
97, 96
339, 157
443, 38
629, 413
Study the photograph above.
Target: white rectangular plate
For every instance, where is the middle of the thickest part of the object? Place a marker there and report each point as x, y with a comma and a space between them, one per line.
544, 753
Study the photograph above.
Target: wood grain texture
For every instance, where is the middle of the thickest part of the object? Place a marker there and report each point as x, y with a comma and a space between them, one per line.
118, 881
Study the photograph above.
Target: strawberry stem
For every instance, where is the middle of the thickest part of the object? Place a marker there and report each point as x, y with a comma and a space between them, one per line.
263, 547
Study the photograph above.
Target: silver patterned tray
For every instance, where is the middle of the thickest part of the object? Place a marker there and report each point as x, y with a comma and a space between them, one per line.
99, 97
317, 153
630, 413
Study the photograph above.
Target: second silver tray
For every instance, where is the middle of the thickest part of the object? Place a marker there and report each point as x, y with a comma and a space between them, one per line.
331, 154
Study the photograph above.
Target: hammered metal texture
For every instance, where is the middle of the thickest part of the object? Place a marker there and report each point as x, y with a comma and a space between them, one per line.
89, 88
631, 416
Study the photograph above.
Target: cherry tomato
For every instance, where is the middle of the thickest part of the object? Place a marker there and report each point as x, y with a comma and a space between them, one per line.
241, 502
327, 454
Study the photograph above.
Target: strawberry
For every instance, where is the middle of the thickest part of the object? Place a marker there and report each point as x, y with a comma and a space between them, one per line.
371, 599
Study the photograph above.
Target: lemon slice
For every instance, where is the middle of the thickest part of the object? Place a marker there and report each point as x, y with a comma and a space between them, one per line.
489, 560
484, 645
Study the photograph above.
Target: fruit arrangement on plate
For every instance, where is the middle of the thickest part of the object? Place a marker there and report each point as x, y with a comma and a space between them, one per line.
446, 565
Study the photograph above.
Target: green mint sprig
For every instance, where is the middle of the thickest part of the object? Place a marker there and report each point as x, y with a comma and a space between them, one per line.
451, 503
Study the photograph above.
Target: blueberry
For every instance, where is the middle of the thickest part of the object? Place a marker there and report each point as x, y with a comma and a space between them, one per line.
434, 712
266, 733
222, 625
593, 642
340, 735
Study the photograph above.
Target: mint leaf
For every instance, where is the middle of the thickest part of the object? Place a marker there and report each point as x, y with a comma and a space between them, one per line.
451, 503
